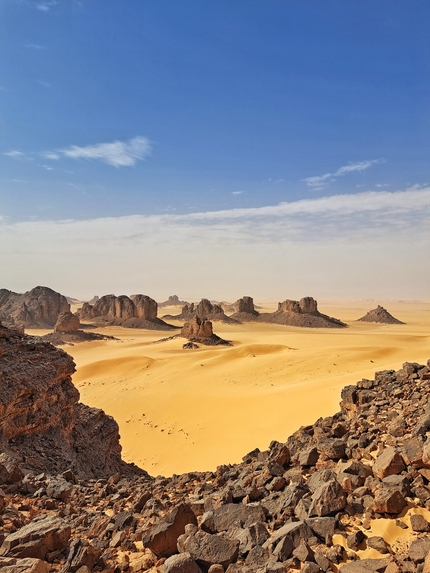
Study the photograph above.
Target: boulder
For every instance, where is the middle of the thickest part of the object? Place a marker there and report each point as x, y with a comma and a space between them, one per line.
229, 515
388, 499
81, 554
162, 538
389, 462
182, 563
67, 322
208, 549
328, 498
44, 534
27, 565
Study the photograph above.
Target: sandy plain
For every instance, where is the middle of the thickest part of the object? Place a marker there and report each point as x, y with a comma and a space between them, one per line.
182, 411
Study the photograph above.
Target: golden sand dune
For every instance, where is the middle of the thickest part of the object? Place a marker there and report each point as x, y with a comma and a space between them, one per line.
183, 410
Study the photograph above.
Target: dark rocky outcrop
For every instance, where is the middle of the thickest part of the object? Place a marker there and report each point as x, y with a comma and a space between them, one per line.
381, 315
199, 330
137, 311
37, 308
302, 313
42, 423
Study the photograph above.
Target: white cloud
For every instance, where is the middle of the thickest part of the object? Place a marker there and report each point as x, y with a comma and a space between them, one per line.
46, 6
236, 192
13, 153
35, 46
343, 245
117, 153
318, 181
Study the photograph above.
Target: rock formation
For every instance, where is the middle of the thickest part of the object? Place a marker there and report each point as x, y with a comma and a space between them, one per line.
244, 310
67, 322
173, 300
380, 314
139, 311
302, 313
37, 308
204, 309
42, 424
278, 510
200, 330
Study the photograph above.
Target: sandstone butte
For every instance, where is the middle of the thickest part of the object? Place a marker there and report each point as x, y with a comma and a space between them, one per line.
303, 313
314, 503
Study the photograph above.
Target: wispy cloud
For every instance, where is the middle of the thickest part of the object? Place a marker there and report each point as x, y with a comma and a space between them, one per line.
318, 181
46, 6
117, 153
35, 46
14, 153
236, 192
328, 246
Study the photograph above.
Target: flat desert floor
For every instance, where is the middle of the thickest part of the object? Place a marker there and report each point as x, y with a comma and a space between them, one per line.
183, 410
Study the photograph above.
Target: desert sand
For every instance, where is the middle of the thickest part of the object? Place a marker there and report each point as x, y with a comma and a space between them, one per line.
181, 410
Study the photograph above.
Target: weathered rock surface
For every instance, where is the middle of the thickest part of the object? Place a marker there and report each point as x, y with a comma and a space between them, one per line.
137, 311
199, 329
380, 314
302, 313
37, 308
162, 539
207, 549
44, 534
41, 421
67, 322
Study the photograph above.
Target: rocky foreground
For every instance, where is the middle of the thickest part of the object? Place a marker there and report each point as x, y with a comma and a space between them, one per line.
68, 503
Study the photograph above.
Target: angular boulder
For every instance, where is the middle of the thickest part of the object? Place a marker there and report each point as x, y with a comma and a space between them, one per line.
208, 549
162, 538
44, 534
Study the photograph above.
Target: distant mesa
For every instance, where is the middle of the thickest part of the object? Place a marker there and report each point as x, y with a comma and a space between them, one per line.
303, 313
199, 330
381, 315
173, 300
37, 308
94, 299
72, 300
205, 309
137, 311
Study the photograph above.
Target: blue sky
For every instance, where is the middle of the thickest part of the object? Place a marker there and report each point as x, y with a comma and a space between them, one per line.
113, 109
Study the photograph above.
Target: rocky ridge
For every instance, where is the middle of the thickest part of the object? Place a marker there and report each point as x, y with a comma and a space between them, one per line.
38, 308
283, 509
137, 311
381, 315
